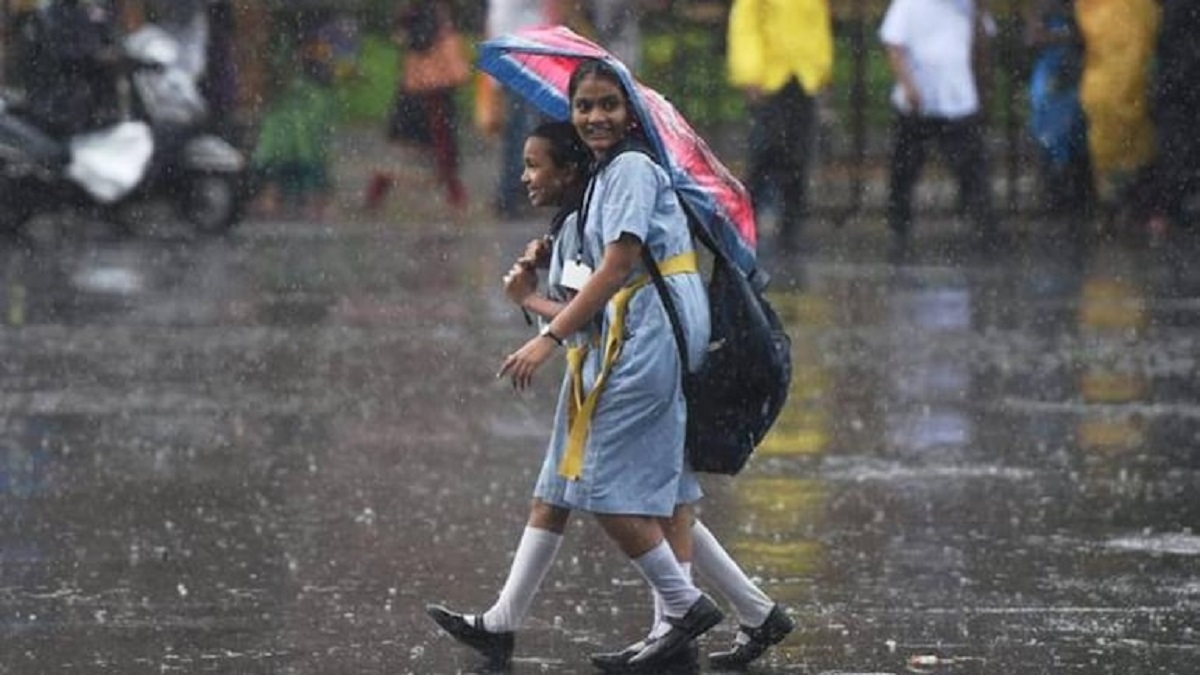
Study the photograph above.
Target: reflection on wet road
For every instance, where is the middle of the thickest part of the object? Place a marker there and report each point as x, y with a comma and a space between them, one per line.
266, 455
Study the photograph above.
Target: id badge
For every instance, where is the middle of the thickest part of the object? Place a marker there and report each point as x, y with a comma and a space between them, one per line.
575, 274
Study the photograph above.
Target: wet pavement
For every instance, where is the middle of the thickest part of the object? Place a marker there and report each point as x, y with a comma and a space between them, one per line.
266, 454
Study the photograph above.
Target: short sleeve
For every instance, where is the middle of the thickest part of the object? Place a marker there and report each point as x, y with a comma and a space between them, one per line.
632, 189
894, 30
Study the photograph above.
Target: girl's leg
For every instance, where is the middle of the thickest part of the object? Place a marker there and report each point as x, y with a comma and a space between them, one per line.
678, 531
535, 554
688, 611
641, 539
715, 564
762, 622
704, 553
491, 633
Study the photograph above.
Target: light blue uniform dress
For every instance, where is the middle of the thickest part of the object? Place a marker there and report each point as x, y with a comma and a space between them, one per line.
634, 458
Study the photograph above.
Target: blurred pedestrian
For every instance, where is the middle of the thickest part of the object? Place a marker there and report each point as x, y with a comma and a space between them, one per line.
425, 110
1119, 38
616, 26
621, 422
518, 117
781, 55
291, 157
556, 170
932, 48
1176, 109
1056, 116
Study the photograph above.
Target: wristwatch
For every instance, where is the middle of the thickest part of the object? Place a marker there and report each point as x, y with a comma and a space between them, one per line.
546, 332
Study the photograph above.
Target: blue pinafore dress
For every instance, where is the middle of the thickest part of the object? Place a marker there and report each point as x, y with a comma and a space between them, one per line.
632, 460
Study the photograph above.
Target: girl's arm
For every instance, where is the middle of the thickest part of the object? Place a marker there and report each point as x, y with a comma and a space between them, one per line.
620, 257
619, 260
543, 306
520, 285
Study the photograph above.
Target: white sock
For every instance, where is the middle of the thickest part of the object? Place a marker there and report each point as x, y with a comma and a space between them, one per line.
530, 563
714, 563
667, 578
660, 627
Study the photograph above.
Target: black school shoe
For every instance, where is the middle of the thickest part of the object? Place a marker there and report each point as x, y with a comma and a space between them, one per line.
684, 661
700, 617
497, 648
772, 631
614, 661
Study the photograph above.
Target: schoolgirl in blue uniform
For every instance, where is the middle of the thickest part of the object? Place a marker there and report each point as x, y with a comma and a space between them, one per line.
626, 411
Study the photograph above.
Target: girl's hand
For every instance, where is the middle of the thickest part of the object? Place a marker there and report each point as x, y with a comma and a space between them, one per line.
537, 253
523, 363
520, 283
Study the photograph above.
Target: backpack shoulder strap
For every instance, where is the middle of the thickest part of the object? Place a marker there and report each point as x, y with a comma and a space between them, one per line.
669, 304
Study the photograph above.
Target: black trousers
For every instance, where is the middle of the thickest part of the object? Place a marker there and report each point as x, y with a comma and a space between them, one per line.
782, 134
1177, 108
961, 144
1176, 173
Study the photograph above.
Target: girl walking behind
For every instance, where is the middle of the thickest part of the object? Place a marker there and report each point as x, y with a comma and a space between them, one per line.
553, 178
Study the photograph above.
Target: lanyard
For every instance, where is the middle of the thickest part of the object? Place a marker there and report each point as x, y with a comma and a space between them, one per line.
581, 220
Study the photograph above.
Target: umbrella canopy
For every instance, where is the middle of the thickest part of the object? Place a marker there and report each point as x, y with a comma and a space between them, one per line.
537, 64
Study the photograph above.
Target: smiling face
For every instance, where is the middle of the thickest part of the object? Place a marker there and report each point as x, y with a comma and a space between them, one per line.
545, 181
600, 113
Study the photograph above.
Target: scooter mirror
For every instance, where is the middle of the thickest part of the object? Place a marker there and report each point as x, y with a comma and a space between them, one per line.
151, 44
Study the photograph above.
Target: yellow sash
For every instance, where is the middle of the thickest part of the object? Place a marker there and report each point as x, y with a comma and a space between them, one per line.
581, 407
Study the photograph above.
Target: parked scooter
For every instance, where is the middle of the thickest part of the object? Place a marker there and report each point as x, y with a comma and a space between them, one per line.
160, 150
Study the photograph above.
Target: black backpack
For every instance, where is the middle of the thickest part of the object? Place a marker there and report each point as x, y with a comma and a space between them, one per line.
735, 397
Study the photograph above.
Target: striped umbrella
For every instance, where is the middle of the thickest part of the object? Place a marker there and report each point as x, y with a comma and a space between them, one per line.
537, 65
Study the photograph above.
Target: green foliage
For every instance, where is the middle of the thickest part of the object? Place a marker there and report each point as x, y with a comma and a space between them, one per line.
687, 65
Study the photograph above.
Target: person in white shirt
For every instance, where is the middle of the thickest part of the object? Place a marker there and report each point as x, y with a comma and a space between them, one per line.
931, 45
618, 29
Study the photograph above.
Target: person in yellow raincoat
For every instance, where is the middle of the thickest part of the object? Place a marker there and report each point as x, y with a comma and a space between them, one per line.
1119, 38
780, 53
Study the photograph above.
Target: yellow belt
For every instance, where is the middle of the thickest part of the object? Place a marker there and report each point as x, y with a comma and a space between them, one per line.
581, 407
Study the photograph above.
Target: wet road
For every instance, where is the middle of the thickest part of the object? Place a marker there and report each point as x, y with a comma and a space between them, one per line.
265, 455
